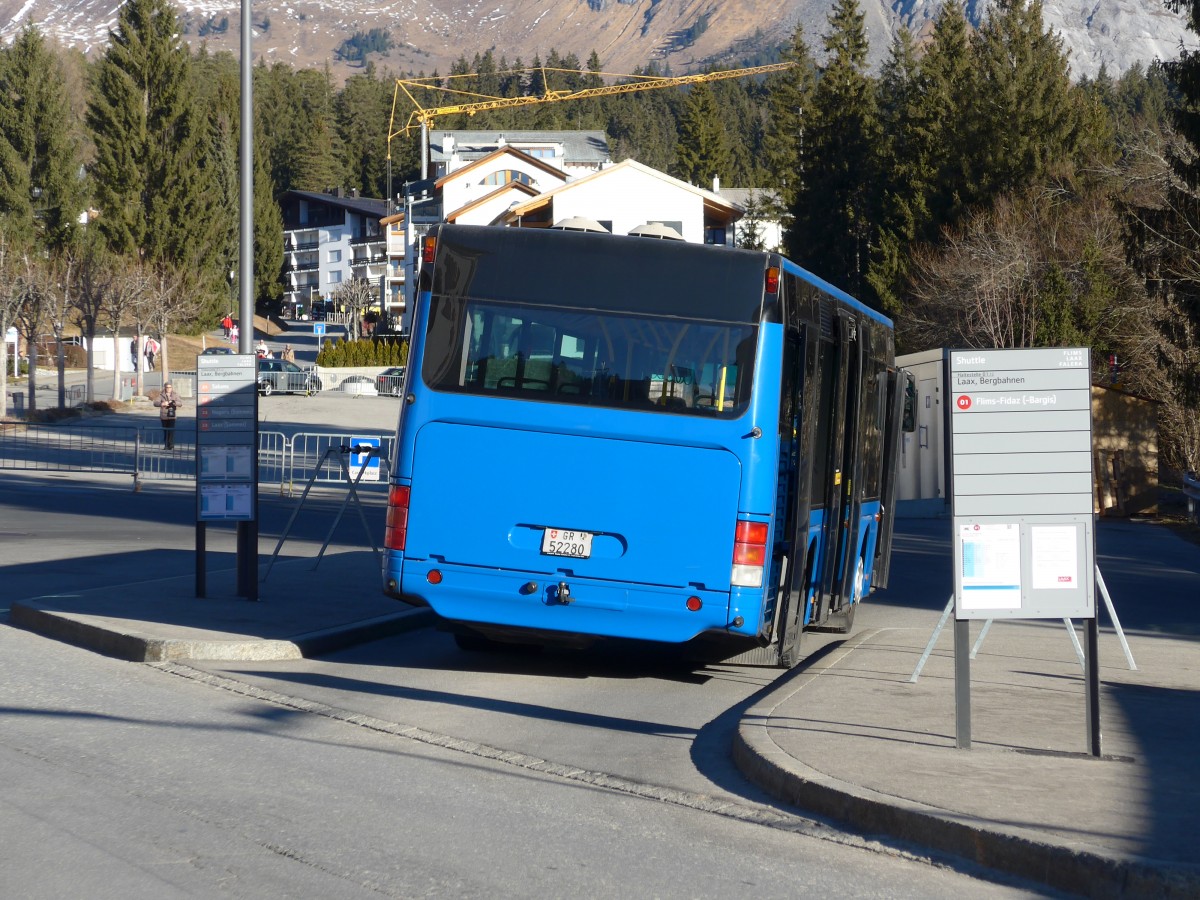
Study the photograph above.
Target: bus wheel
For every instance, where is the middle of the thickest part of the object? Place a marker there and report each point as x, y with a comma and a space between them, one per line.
842, 622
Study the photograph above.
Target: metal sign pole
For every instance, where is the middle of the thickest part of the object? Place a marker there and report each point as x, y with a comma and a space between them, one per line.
962, 683
1092, 690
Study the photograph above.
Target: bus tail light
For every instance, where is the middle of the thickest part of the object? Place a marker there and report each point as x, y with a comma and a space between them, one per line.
772, 279
397, 518
428, 248
749, 554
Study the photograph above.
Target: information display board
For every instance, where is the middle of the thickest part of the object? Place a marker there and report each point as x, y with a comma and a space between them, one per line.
1021, 483
226, 437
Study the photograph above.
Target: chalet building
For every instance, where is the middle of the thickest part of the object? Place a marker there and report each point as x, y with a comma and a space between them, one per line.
627, 195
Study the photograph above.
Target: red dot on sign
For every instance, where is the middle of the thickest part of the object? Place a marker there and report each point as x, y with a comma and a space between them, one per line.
964, 402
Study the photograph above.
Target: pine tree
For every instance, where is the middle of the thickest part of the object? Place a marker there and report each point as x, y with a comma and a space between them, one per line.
905, 173
149, 138
318, 153
835, 209
1024, 119
703, 149
268, 236
362, 109
41, 192
789, 103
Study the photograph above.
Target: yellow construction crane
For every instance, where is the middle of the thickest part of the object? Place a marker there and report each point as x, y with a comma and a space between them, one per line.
423, 116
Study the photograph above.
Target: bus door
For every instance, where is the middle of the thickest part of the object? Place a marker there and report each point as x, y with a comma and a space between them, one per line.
842, 503
901, 397
800, 366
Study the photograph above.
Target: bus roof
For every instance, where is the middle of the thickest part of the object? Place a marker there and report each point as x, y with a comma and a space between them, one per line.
600, 271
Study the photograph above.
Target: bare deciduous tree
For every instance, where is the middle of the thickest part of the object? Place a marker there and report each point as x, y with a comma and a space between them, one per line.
10, 299
92, 281
126, 287
357, 295
33, 311
173, 300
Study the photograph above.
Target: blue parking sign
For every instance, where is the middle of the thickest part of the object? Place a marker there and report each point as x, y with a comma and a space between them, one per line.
363, 460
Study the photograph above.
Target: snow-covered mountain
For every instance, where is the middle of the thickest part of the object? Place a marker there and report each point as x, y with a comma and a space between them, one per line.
678, 35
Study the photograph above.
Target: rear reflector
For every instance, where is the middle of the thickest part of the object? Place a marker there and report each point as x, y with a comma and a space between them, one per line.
396, 531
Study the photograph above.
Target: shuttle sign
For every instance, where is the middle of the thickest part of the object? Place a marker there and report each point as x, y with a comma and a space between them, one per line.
1021, 483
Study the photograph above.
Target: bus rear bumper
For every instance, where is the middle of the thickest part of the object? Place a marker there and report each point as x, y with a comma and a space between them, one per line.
559, 602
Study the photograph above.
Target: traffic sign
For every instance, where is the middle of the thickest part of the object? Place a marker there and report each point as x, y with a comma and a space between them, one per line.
364, 457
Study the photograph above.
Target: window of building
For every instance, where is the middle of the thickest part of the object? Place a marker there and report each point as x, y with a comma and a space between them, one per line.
335, 256
507, 176
335, 277
714, 236
540, 152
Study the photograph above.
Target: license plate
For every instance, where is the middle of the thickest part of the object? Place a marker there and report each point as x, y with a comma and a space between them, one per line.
560, 542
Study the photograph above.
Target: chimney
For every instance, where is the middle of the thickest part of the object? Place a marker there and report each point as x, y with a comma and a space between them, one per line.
447, 144
716, 184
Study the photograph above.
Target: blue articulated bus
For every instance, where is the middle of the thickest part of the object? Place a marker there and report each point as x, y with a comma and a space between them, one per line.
622, 437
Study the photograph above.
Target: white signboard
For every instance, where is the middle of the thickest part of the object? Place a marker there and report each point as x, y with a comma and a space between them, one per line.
1021, 483
991, 565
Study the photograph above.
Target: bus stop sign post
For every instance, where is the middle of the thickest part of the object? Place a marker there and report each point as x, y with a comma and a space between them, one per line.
1021, 501
227, 460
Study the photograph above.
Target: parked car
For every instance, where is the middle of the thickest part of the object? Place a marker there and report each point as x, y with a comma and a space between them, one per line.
359, 385
286, 377
390, 381
217, 351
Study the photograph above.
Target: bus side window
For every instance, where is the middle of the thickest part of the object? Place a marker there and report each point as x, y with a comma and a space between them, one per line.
909, 422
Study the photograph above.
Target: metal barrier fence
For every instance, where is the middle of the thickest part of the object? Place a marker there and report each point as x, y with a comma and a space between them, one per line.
315, 456
141, 453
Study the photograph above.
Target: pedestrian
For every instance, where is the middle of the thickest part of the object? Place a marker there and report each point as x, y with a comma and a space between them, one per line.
133, 352
288, 353
151, 350
167, 403
233, 334
227, 324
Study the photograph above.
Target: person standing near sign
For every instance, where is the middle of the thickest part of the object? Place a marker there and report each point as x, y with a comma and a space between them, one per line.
167, 403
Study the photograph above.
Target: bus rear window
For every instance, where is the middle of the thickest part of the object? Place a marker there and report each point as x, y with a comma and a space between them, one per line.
594, 358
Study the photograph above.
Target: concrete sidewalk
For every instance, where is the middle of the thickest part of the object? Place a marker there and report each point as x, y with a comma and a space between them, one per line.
305, 607
848, 736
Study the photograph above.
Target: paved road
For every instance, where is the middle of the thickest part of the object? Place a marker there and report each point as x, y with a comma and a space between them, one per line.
371, 775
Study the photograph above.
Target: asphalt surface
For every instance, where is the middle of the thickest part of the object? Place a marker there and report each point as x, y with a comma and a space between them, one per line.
848, 734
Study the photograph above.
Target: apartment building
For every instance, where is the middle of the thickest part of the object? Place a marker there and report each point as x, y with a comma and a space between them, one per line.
330, 238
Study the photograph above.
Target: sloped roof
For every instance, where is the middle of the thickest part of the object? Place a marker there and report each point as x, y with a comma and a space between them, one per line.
488, 162
742, 196
516, 186
367, 206
579, 147
713, 203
